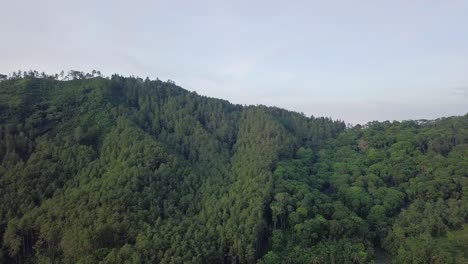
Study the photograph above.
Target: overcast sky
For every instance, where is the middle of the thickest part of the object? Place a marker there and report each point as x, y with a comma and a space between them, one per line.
352, 60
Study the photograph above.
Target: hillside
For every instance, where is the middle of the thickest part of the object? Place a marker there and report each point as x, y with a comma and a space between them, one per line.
127, 170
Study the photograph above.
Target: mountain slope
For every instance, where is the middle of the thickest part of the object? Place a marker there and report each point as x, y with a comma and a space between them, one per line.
119, 170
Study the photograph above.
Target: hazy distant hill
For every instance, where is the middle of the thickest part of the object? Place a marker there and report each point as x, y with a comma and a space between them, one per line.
126, 170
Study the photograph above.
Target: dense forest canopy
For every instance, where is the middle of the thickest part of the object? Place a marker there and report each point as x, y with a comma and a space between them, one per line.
98, 169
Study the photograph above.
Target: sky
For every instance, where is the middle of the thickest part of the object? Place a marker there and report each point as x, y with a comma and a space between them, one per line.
357, 61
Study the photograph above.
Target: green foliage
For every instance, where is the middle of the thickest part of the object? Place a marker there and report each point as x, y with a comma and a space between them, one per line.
126, 170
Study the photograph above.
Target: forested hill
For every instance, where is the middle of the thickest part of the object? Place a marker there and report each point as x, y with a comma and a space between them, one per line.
126, 170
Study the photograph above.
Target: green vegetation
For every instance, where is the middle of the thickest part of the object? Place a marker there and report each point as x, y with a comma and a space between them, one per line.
126, 170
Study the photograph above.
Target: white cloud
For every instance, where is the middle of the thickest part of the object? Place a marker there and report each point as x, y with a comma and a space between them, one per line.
460, 91
240, 69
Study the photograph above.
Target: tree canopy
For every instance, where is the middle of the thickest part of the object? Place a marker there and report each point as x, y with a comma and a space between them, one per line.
117, 169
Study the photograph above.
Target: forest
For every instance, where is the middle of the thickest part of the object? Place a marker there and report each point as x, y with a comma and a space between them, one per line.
97, 169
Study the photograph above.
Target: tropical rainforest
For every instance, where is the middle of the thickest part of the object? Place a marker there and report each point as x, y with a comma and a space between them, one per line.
97, 169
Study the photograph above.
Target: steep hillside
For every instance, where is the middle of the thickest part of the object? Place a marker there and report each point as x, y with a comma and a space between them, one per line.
126, 170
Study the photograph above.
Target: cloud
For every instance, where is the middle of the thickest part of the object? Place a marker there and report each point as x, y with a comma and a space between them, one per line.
239, 69
134, 65
460, 91
286, 76
249, 63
